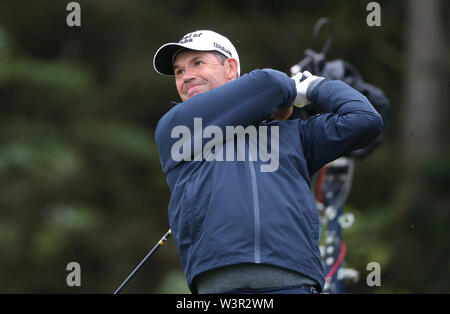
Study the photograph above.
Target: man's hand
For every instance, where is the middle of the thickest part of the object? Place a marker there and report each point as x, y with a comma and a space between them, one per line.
302, 82
282, 114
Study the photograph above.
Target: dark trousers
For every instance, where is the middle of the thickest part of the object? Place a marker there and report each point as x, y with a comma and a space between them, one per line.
275, 290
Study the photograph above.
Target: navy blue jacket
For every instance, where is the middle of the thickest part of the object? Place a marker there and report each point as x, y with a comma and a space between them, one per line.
227, 212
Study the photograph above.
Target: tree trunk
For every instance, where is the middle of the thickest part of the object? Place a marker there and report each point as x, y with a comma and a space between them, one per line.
424, 100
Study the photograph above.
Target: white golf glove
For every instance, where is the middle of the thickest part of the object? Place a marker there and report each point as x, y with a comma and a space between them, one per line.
303, 81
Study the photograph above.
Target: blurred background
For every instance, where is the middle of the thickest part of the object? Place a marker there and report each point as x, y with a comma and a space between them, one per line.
80, 178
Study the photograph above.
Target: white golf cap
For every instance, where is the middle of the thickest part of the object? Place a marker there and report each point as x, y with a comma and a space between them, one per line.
203, 40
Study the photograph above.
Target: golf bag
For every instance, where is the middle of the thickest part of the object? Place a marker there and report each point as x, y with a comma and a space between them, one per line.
334, 179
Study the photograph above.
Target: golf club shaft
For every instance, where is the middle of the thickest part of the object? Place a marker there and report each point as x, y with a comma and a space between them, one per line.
161, 242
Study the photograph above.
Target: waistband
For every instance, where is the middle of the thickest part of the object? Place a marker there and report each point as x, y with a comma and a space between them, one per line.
251, 276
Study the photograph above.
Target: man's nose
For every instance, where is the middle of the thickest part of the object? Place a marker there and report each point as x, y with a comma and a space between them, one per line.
188, 74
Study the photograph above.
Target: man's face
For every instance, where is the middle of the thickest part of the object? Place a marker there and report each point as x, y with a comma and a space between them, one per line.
200, 71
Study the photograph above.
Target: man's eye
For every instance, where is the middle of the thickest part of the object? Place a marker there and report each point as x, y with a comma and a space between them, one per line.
197, 63
179, 72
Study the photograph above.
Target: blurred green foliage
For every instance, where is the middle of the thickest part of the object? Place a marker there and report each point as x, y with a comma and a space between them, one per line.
80, 178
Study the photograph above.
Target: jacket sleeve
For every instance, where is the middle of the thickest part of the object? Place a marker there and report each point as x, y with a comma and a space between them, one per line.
247, 100
349, 122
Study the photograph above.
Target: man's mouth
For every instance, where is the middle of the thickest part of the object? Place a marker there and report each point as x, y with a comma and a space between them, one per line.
192, 90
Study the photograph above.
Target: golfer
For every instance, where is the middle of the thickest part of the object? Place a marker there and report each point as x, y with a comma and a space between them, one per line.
242, 212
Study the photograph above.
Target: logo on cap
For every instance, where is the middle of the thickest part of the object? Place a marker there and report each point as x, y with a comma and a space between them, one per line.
189, 37
223, 49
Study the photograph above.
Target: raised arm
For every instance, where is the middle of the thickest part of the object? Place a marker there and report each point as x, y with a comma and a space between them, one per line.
349, 122
247, 100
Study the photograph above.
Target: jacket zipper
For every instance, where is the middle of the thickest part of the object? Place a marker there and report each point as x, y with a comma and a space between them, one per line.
255, 212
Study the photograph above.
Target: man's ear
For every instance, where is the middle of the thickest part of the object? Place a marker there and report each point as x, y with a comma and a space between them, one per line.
231, 67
